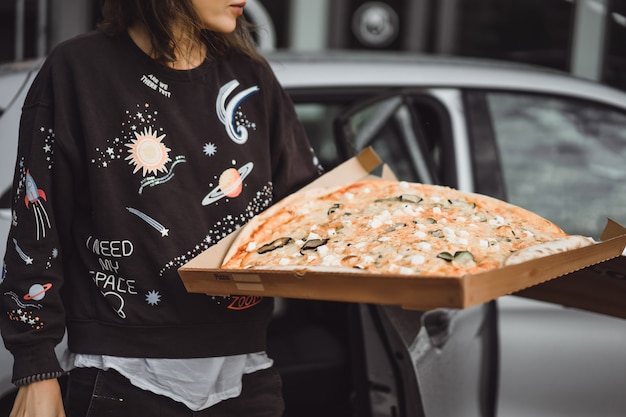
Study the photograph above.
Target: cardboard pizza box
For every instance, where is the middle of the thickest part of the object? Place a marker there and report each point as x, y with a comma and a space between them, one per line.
204, 275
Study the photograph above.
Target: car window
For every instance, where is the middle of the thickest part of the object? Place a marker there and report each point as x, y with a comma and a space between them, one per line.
317, 121
386, 126
563, 159
408, 130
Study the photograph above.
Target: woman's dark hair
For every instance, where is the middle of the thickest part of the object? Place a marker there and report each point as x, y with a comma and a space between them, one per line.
161, 16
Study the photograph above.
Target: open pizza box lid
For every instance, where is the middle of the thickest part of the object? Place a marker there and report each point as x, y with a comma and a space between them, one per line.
592, 277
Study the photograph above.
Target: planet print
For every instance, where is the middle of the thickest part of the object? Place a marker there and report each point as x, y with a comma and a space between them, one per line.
37, 292
230, 184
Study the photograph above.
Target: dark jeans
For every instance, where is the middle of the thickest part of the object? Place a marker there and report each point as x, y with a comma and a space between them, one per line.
95, 393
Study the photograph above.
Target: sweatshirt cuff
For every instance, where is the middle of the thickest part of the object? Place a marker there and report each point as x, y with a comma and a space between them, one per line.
36, 378
35, 363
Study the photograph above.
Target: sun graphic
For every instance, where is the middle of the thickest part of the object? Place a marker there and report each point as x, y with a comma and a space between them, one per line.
148, 153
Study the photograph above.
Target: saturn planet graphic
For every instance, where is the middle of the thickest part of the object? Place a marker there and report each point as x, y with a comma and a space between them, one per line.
37, 292
230, 184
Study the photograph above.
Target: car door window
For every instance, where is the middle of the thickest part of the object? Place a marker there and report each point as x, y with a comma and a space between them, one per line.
386, 126
561, 158
316, 117
407, 131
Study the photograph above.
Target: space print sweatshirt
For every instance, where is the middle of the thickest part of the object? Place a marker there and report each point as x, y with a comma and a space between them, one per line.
126, 170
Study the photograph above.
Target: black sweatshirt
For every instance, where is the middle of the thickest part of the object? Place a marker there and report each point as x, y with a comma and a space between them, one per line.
126, 170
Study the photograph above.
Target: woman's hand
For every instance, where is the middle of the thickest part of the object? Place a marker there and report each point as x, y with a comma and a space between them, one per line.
39, 399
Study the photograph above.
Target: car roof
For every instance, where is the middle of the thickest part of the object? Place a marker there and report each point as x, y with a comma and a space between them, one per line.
384, 69
344, 68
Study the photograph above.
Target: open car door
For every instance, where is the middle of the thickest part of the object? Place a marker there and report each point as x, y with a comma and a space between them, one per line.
442, 362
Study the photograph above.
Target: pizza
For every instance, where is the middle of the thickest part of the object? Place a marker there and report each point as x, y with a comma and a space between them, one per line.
395, 227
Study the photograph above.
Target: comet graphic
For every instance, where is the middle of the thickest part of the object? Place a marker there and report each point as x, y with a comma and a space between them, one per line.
33, 199
237, 131
143, 216
27, 259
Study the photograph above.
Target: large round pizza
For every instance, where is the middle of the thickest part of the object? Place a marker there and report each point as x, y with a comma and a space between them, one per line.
393, 227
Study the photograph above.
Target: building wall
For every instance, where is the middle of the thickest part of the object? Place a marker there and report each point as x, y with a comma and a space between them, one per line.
29, 28
579, 36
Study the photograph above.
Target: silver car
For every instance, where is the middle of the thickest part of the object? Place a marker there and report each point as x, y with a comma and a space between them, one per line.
543, 140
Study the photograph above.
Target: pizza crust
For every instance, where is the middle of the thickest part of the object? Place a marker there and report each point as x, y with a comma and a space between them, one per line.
548, 248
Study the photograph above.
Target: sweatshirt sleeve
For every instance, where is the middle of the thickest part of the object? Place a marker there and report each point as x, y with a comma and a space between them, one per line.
294, 163
31, 310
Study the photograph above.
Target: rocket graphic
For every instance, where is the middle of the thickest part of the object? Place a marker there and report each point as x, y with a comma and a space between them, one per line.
33, 198
33, 194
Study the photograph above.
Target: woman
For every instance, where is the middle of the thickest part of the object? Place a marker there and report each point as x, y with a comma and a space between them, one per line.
141, 145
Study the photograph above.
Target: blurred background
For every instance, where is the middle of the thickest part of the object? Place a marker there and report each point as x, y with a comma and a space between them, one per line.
582, 37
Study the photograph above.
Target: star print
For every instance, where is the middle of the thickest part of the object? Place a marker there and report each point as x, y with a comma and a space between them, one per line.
209, 149
153, 298
47, 148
